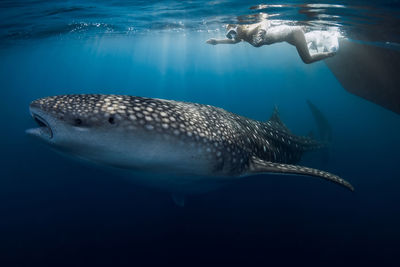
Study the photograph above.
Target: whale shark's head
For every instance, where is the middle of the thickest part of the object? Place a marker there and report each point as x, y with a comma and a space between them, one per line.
123, 131
101, 128
71, 119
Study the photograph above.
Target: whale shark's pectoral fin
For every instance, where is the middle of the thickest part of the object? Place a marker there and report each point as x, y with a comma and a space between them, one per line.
258, 166
178, 199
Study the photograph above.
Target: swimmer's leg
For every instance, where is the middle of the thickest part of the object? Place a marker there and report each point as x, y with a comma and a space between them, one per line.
297, 38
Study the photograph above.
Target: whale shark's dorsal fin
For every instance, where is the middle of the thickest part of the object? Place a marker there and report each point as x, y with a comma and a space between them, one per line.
277, 120
258, 166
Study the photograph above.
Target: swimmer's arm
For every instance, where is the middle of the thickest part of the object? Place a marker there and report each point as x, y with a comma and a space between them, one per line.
222, 41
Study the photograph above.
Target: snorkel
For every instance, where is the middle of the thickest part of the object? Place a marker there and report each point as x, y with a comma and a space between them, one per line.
231, 31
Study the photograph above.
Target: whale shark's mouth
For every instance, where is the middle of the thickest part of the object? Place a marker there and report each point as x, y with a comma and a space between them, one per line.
44, 127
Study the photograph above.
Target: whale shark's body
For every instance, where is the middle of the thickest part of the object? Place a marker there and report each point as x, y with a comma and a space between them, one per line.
191, 144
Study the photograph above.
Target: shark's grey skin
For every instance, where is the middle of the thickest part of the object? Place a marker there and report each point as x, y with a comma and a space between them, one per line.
191, 144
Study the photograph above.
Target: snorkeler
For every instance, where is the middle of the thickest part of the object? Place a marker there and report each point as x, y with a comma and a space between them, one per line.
262, 33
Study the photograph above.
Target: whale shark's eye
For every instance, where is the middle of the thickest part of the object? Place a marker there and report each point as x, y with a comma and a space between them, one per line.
78, 121
111, 120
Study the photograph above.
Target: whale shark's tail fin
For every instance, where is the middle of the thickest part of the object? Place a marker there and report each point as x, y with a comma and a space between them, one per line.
324, 128
259, 166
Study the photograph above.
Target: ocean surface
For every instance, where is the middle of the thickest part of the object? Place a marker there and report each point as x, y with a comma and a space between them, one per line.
56, 211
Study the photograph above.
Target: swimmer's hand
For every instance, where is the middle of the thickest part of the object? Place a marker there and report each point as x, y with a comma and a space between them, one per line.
212, 41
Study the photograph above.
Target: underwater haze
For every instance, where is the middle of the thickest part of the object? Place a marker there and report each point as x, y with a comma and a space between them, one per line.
60, 211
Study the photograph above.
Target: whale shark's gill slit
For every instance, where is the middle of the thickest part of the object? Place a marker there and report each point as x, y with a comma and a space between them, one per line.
39, 121
44, 126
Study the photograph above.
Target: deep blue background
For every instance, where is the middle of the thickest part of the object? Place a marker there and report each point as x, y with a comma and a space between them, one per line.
57, 212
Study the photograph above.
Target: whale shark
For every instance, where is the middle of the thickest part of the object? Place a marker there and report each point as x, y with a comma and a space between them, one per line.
181, 147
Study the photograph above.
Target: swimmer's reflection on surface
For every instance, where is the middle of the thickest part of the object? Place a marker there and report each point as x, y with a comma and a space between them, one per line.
263, 33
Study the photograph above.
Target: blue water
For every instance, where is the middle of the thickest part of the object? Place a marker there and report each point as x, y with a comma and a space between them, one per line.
55, 211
